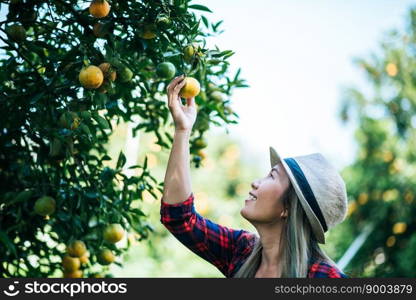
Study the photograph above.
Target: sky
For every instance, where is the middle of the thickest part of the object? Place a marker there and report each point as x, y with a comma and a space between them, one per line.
296, 55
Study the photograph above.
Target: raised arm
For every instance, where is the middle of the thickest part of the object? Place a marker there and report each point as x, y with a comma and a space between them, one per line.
177, 182
217, 244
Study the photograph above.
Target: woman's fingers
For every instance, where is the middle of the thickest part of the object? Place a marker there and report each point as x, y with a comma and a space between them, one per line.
173, 83
178, 87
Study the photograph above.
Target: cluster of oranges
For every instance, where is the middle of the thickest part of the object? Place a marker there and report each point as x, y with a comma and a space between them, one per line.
78, 255
93, 77
101, 77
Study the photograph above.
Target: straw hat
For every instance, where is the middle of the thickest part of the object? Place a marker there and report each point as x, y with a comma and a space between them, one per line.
320, 188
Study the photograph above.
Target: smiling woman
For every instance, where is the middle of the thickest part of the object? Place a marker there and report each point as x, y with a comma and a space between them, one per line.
291, 208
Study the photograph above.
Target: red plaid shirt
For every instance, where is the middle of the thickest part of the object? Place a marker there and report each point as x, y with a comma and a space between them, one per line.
224, 247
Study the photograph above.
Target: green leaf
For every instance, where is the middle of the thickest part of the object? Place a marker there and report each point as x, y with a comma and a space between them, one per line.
214, 27
205, 21
145, 163
134, 167
36, 98
102, 122
137, 212
200, 7
4, 239
106, 157
121, 160
85, 129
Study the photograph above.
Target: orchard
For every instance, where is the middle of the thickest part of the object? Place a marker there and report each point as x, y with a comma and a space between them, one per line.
69, 72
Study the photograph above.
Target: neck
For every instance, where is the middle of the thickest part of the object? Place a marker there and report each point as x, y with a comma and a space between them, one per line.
270, 237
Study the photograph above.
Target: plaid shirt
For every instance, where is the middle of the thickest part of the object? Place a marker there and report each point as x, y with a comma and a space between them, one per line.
224, 247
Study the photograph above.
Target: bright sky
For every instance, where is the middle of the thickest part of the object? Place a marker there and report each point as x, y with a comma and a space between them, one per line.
296, 55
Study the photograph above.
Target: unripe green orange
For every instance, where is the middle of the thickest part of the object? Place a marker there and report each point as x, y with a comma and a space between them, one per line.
166, 70
125, 74
45, 206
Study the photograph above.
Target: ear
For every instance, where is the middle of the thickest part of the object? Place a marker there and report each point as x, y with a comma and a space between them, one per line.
284, 214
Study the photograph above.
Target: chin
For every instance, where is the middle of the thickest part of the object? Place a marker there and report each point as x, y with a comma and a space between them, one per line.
245, 214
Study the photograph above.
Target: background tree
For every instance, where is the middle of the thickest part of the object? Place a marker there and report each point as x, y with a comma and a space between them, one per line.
381, 181
69, 72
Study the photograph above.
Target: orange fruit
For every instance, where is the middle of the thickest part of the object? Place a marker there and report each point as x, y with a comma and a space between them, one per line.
391, 69
91, 77
188, 53
76, 248
99, 8
399, 227
84, 259
106, 257
45, 206
201, 154
166, 70
191, 88
216, 96
163, 21
200, 143
73, 274
125, 74
108, 71
149, 32
71, 264
113, 233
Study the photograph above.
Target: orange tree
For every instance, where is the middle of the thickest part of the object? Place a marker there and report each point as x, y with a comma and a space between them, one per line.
381, 181
69, 71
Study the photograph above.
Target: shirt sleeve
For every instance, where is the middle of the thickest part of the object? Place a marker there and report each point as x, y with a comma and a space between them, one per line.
215, 243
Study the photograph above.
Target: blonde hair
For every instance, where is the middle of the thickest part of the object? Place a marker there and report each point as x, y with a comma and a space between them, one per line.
298, 244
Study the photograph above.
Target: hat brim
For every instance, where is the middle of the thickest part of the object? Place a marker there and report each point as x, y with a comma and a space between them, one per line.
315, 224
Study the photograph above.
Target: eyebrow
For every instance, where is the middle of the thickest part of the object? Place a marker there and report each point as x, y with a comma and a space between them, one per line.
275, 170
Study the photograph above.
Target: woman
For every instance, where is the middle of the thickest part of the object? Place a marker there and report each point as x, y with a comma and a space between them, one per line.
291, 208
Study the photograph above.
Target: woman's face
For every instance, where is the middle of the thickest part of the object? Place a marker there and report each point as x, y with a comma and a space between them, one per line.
267, 207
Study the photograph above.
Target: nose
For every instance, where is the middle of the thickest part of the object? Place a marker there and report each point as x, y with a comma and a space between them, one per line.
254, 184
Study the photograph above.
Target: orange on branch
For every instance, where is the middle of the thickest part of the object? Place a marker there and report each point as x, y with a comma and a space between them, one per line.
91, 77
113, 233
149, 32
70, 264
45, 206
77, 249
99, 8
73, 274
84, 258
106, 257
191, 88
108, 71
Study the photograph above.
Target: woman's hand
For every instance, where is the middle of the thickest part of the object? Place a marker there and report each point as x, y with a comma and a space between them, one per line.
184, 116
